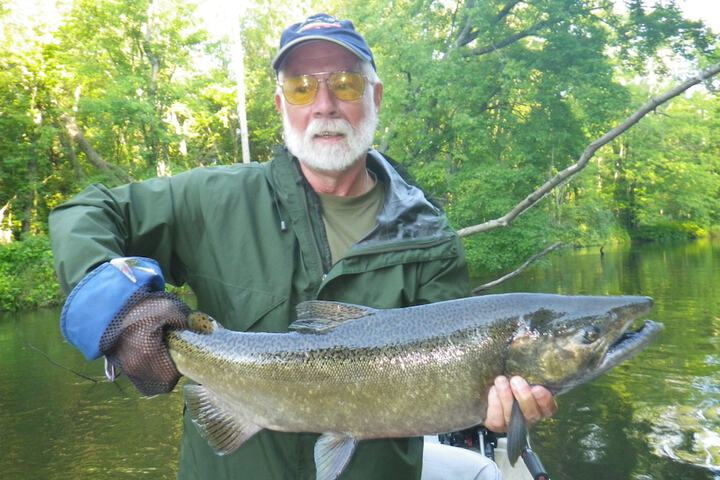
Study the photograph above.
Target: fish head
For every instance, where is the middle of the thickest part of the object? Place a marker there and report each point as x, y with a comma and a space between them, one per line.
565, 341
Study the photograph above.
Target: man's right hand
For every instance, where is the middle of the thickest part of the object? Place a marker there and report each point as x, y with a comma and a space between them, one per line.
139, 347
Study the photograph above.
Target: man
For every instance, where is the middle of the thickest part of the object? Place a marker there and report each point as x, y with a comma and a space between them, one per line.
327, 218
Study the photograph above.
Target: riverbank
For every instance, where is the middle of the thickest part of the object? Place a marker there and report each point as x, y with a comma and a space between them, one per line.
27, 276
28, 281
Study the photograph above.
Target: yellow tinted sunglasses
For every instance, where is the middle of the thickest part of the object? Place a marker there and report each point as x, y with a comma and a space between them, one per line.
302, 89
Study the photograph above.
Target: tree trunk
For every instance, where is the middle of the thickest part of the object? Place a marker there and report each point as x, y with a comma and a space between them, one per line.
153, 137
29, 195
5, 234
93, 157
69, 149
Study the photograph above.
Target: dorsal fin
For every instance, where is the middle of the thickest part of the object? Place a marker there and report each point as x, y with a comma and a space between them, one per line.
319, 316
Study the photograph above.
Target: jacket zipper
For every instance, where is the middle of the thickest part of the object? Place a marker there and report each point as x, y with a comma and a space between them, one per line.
316, 240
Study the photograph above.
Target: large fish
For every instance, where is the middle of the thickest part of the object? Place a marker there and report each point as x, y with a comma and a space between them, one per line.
351, 372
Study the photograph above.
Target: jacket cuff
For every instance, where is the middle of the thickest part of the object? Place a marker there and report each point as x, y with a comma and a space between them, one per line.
99, 297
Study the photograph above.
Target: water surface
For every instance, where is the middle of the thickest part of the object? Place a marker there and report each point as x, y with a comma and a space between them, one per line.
57, 425
656, 417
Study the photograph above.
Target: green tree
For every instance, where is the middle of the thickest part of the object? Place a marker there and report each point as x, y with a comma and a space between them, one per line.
113, 91
128, 65
666, 171
27, 154
486, 100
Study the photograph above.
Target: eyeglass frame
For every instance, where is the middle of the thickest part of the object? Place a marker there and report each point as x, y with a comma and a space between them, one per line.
280, 84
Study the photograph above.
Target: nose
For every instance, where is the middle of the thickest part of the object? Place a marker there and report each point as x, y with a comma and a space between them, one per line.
325, 104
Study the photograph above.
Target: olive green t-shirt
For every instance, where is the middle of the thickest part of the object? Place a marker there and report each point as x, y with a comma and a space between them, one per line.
348, 219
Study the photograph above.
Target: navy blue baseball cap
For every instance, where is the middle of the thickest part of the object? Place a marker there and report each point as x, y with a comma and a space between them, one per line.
322, 26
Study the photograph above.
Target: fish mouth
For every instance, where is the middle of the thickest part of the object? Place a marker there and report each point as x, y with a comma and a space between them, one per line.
629, 344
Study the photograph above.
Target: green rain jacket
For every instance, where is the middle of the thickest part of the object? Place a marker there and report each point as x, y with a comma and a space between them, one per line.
250, 242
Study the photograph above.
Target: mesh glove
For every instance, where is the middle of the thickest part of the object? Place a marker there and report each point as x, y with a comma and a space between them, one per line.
134, 340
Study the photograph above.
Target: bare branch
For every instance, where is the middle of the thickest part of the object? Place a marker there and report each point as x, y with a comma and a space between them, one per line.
509, 40
91, 154
464, 36
506, 10
563, 176
470, 33
519, 270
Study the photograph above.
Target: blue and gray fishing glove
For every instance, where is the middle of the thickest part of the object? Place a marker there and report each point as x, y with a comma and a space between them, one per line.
135, 340
120, 310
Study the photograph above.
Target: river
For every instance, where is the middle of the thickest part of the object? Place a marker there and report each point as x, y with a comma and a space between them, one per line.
656, 417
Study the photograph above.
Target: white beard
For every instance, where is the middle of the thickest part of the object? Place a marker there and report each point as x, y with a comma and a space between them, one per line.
335, 157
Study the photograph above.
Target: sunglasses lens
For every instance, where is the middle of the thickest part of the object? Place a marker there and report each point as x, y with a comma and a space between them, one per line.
347, 86
300, 90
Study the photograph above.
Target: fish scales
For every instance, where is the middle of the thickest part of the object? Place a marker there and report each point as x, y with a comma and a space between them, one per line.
367, 381
351, 372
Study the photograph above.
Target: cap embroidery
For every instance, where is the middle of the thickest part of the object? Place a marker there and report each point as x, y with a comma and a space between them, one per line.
318, 25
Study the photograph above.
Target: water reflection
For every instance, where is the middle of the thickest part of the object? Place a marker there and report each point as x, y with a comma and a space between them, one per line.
656, 417
56, 425
685, 434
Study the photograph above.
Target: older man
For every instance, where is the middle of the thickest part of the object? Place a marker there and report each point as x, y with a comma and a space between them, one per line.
327, 218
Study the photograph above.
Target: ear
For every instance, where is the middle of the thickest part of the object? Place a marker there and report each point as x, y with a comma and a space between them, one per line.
278, 103
378, 87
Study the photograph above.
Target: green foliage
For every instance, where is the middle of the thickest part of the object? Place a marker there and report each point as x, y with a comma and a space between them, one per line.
483, 102
504, 250
648, 32
27, 276
667, 231
666, 171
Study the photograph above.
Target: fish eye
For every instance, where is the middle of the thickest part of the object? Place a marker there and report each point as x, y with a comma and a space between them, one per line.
590, 334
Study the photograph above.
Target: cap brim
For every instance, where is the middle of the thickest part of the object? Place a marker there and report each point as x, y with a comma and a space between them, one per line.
277, 61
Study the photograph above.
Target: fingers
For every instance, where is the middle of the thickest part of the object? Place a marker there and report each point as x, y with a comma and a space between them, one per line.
535, 402
505, 396
499, 408
545, 401
494, 418
524, 395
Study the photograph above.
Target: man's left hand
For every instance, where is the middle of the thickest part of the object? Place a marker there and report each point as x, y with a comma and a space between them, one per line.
535, 402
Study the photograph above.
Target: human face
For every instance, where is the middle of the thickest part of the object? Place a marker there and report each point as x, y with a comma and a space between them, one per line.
328, 134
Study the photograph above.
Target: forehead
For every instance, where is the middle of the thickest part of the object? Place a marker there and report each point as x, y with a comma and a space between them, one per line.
318, 56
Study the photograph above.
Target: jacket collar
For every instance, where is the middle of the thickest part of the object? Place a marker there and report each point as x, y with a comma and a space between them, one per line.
406, 215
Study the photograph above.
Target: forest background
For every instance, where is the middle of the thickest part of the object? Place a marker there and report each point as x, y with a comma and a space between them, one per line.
484, 101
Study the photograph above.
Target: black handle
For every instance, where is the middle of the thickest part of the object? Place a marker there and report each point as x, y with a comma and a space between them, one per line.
533, 463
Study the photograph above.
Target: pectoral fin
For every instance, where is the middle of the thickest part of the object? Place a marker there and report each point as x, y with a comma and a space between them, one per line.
332, 454
516, 434
222, 430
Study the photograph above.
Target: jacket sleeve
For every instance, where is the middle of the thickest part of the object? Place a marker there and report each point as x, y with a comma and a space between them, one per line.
96, 227
446, 278
101, 223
